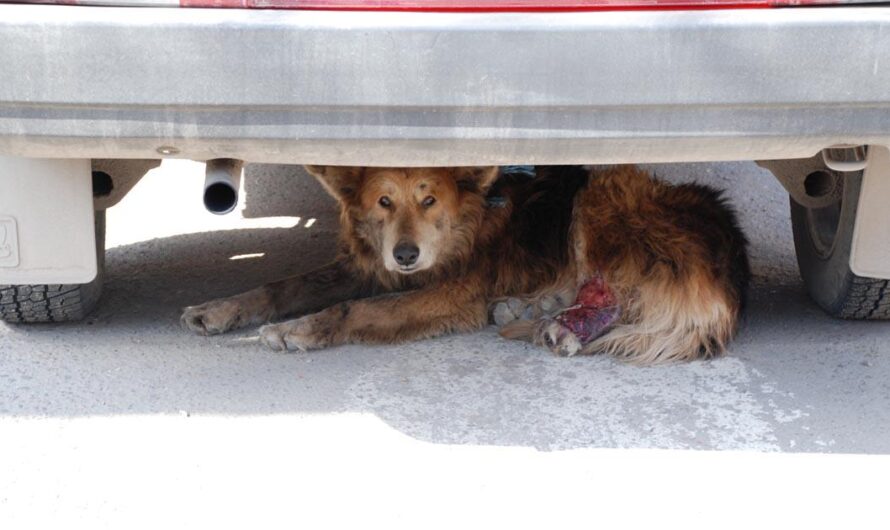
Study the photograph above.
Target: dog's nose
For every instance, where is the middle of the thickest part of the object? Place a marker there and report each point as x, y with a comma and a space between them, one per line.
406, 254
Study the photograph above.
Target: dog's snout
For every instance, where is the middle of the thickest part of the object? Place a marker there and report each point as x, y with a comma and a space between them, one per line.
406, 254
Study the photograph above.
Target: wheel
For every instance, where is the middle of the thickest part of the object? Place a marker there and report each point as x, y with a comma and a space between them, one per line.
53, 302
822, 242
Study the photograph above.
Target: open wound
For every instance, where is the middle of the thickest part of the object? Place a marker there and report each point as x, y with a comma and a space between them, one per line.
594, 311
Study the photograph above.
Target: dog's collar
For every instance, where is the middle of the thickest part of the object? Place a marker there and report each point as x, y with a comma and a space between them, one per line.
498, 201
495, 199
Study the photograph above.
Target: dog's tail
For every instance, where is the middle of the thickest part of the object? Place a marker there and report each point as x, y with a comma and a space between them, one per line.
659, 333
661, 322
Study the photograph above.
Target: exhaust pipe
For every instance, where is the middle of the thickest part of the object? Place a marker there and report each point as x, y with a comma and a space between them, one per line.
221, 185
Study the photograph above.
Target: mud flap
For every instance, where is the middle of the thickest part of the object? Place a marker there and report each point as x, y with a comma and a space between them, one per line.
870, 251
47, 231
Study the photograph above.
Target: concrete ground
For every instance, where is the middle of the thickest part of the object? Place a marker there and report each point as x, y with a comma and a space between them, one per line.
126, 421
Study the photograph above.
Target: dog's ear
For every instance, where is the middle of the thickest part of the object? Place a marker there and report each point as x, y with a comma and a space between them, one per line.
476, 179
340, 181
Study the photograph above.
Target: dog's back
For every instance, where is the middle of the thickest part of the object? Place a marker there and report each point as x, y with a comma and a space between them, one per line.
675, 255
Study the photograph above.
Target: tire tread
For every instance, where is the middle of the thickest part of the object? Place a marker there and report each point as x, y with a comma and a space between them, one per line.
34, 303
867, 299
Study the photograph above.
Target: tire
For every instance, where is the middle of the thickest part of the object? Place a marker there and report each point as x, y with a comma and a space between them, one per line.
54, 302
822, 242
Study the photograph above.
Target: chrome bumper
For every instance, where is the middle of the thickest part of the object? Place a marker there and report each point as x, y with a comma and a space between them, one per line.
441, 88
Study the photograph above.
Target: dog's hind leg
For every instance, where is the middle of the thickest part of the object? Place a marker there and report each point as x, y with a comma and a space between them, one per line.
594, 311
563, 318
297, 295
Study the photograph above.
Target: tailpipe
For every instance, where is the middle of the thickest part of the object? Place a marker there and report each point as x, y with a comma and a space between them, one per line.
221, 185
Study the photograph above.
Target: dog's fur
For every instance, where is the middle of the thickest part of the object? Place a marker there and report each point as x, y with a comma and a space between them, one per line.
673, 256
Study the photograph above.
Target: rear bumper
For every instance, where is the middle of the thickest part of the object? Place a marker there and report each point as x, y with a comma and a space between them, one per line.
441, 88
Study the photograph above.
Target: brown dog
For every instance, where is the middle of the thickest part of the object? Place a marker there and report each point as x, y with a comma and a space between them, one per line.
610, 261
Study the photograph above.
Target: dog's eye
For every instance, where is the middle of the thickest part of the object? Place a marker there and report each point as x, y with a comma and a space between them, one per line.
429, 201
384, 201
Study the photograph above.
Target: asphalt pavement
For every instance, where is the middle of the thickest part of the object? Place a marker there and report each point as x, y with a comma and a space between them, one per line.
125, 420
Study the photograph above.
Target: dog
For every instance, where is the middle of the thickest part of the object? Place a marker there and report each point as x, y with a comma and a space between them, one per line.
609, 260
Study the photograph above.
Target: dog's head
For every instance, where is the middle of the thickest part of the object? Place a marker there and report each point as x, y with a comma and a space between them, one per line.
414, 219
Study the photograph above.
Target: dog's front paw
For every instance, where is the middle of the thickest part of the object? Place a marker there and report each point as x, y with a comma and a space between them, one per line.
508, 310
212, 318
557, 338
301, 334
